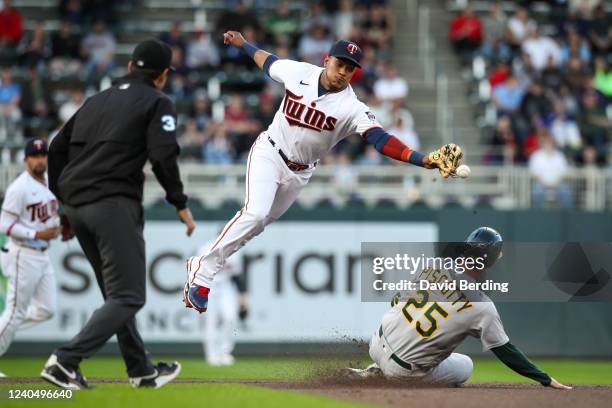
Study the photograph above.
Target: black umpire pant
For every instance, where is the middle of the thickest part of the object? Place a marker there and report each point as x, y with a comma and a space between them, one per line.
110, 233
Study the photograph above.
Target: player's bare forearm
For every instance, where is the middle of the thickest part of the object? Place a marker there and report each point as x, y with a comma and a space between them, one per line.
236, 39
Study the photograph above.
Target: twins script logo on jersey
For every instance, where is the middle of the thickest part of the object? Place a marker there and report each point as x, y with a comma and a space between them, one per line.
298, 114
42, 211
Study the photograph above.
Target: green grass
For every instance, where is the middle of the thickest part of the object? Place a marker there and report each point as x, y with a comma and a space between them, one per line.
175, 395
239, 395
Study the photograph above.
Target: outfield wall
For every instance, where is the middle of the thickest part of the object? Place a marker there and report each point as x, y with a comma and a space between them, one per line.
303, 280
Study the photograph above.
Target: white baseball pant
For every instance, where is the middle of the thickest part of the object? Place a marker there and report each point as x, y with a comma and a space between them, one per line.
271, 188
221, 318
453, 371
31, 291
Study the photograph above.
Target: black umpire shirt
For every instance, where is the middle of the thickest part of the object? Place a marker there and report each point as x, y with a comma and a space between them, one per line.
101, 151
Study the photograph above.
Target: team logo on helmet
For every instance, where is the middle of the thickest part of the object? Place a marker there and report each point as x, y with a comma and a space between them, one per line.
352, 48
38, 144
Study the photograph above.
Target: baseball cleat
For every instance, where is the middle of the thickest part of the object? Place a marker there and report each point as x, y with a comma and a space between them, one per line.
164, 373
372, 371
196, 297
55, 373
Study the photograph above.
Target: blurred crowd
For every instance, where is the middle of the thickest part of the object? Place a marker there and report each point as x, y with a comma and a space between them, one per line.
216, 127
545, 84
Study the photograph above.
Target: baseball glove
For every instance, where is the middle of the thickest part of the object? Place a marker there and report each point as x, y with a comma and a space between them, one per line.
446, 159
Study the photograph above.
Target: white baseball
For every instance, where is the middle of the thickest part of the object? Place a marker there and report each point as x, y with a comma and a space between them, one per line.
463, 171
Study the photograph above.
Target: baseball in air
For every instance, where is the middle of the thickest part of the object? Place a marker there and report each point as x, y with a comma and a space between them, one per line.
463, 171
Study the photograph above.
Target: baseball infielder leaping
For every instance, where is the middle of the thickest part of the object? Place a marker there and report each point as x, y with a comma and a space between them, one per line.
319, 110
29, 218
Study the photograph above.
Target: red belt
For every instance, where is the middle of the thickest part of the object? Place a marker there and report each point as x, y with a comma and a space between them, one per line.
290, 164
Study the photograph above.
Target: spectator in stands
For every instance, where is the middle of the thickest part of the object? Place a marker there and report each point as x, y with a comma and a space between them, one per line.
405, 133
267, 109
499, 74
541, 48
192, 140
573, 21
398, 112
576, 75
35, 48
525, 71
202, 52
317, 16
494, 25
595, 125
600, 31
519, 27
508, 96
575, 45
200, 111
535, 105
552, 76
503, 143
314, 45
175, 37
98, 48
37, 106
344, 175
548, 167
378, 24
465, 32
283, 24
10, 114
238, 19
344, 20
11, 28
238, 58
72, 105
603, 78
65, 50
240, 128
381, 111
73, 11
564, 130
391, 86
584, 7
218, 149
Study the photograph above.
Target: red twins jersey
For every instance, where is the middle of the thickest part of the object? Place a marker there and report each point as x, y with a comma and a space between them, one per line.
307, 125
29, 206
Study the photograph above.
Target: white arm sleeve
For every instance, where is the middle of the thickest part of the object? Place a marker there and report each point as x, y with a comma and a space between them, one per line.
9, 217
283, 69
10, 225
364, 120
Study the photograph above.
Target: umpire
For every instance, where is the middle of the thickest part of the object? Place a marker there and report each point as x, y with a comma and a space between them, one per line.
96, 170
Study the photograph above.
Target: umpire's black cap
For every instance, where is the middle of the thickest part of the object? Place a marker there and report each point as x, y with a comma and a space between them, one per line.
347, 50
35, 147
152, 55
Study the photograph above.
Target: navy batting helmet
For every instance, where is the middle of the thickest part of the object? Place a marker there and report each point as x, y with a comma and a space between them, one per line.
484, 242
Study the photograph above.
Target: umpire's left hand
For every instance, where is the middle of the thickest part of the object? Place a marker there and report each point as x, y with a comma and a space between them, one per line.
187, 219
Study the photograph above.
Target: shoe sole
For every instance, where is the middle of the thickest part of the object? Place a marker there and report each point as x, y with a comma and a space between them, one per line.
51, 379
165, 379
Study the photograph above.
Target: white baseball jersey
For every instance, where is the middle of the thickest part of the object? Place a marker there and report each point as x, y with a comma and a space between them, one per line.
29, 206
306, 125
427, 325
